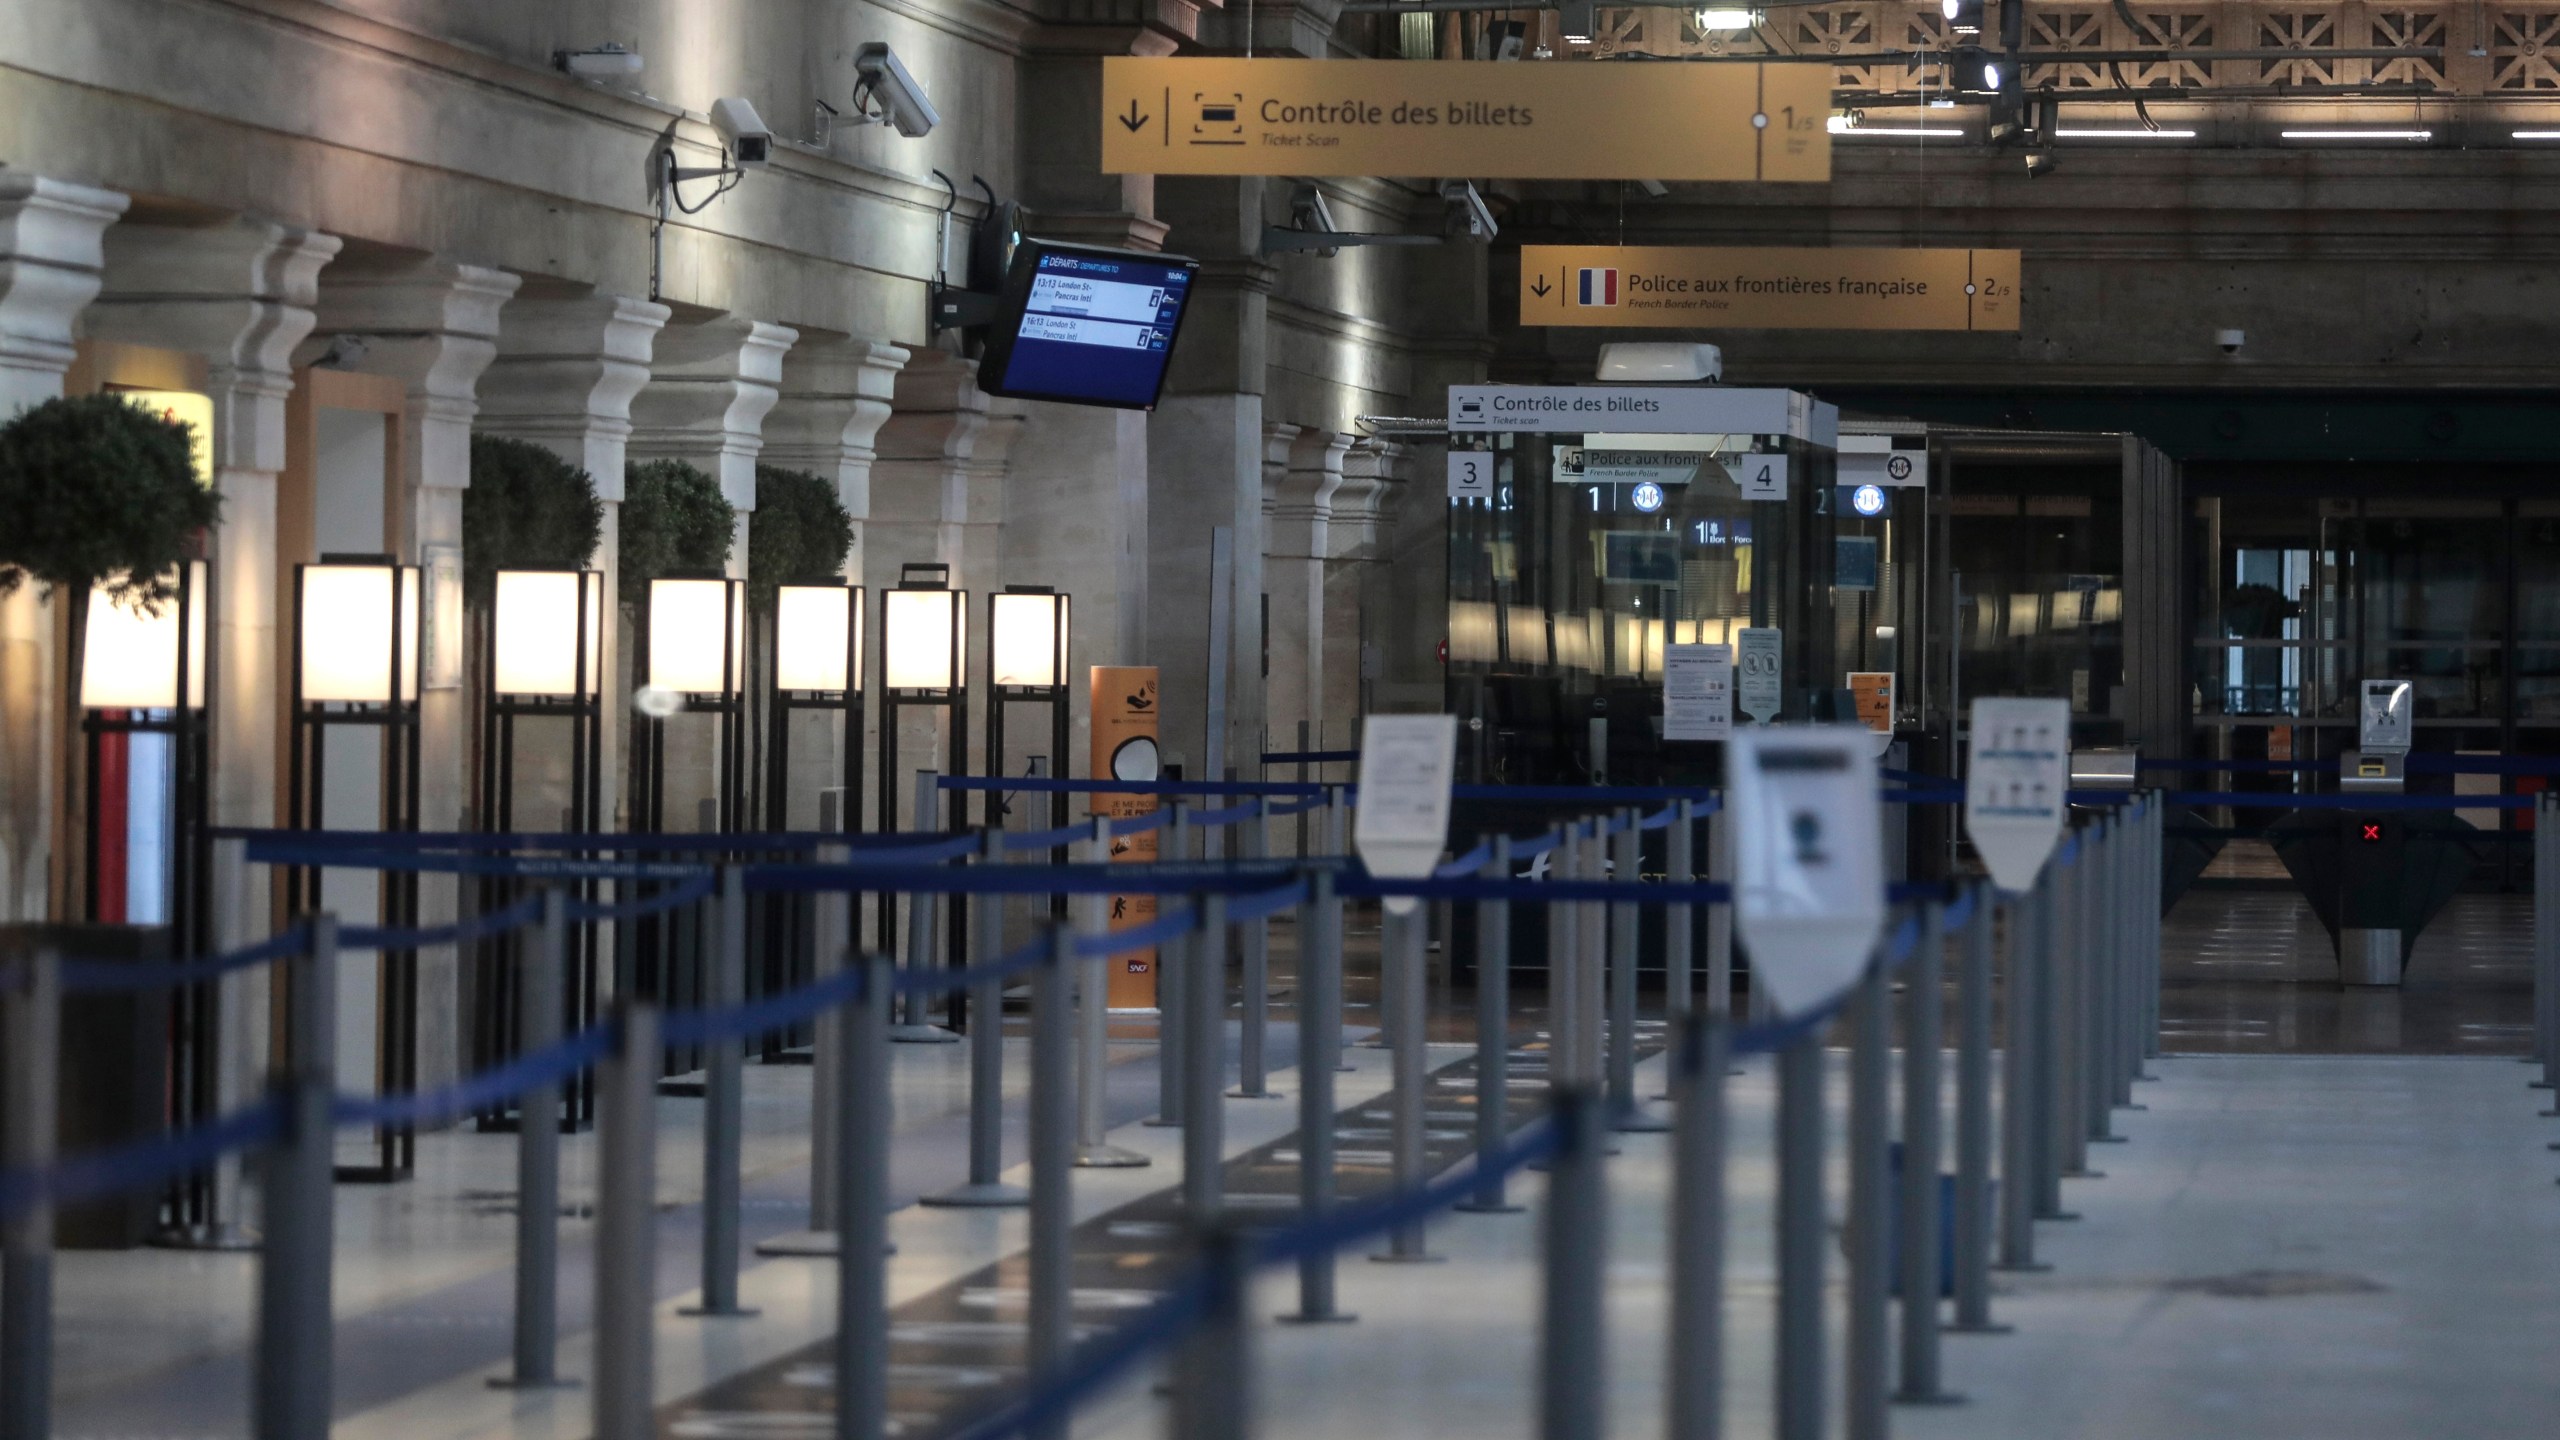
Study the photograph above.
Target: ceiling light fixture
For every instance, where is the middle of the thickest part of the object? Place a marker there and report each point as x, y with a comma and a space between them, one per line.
2357, 134
2073, 134
1727, 18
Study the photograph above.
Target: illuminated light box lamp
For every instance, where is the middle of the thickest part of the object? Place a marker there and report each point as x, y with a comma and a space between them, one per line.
817, 665
696, 651
924, 662
1027, 635
136, 678
543, 659
356, 664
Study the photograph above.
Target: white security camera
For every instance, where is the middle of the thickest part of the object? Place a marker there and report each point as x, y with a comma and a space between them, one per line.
1654, 188
1467, 213
743, 131
1308, 210
902, 101
598, 62
2230, 340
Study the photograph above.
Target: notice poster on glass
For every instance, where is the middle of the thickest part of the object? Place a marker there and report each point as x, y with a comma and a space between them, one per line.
1697, 692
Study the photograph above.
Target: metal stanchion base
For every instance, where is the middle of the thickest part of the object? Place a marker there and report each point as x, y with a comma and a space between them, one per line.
1470, 1207
923, 1035
734, 1312
2032, 1267
229, 1235
1389, 1257
1934, 1397
989, 1196
1108, 1157
1242, 1094
1639, 1121
1995, 1328
808, 1245
509, 1382
1338, 1317
1158, 1122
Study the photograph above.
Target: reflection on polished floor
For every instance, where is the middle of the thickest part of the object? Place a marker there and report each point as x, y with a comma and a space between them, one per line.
2252, 972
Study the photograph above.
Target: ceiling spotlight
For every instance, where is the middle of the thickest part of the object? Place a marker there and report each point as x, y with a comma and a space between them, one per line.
1964, 17
608, 61
1727, 18
1977, 71
2041, 163
1578, 20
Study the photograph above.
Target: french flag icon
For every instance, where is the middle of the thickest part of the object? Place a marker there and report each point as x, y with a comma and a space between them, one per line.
1599, 285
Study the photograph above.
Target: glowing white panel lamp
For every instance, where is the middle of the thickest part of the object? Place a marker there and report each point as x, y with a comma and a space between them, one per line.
129, 655
922, 639
1027, 638
694, 640
536, 637
348, 622
817, 637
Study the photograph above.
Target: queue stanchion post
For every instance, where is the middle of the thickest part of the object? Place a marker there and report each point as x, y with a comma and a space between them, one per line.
1868, 1357
1696, 1332
1094, 1149
2045, 1088
1574, 1233
30, 1030
539, 976
1720, 917
1591, 963
2546, 948
985, 1187
2098, 990
1800, 1236
2021, 1141
1563, 1066
1213, 1380
626, 1249
1172, 973
1050, 1323
2154, 898
1337, 843
1203, 1023
724, 1109
832, 932
1320, 1051
294, 1369
1626, 1114
862, 1201
1679, 920
1493, 1037
1401, 945
1921, 1279
1253, 1080
1974, 1141
916, 1025
2124, 930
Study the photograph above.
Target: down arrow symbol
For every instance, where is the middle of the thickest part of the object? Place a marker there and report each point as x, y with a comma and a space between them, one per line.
1135, 121
1539, 289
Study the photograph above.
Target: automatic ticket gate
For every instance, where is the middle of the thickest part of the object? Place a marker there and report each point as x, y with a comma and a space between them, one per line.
2375, 877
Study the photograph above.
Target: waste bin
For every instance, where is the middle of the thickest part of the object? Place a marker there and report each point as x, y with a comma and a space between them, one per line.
114, 1072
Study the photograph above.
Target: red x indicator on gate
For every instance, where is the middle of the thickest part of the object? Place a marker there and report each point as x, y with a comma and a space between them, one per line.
2373, 832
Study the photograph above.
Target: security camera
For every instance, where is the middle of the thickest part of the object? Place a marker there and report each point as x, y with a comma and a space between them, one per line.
1308, 211
1467, 213
598, 62
743, 131
1654, 188
2230, 340
902, 101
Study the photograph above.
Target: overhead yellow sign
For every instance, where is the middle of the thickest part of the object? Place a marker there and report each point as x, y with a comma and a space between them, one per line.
1560, 120
1684, 287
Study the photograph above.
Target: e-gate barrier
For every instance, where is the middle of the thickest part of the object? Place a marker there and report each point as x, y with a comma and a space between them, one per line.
2081, 959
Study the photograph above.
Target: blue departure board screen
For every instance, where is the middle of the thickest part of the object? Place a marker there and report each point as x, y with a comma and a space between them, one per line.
1087, 326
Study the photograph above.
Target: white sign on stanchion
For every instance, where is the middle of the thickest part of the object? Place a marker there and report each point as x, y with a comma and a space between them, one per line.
1697, 692
1401, 823
2386, 722
1808, 859
2017, 785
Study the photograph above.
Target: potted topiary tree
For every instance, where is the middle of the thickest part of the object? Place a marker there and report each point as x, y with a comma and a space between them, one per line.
801, 534
527, 509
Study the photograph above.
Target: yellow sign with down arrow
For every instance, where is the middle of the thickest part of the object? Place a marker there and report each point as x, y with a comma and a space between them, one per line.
1701, 288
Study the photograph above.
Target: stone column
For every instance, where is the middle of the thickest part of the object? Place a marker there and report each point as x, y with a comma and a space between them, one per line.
431, 324
1205, 472
568, 366
1357, 583
710, 388
1301, 522
51, 261
836, 392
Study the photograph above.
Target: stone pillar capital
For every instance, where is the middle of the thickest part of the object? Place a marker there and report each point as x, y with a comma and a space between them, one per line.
430, 324
567, 369
51, 260
710, 387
